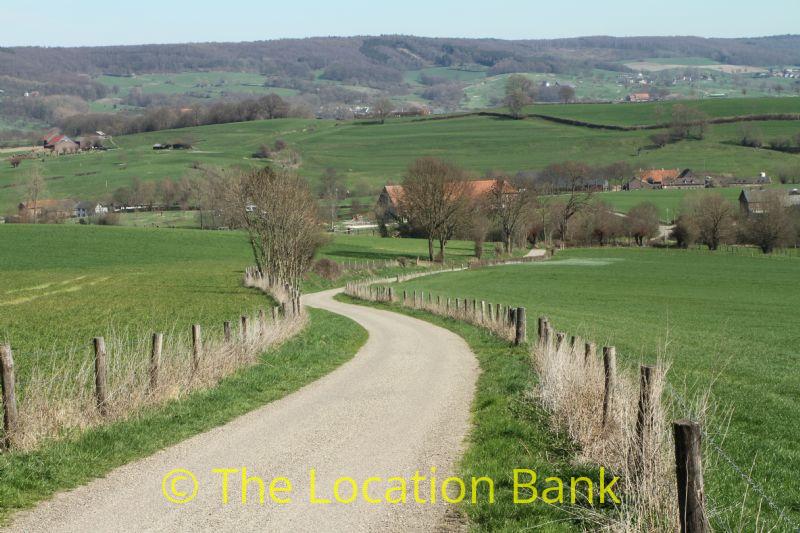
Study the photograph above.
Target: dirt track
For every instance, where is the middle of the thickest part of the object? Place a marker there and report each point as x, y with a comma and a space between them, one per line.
401, 405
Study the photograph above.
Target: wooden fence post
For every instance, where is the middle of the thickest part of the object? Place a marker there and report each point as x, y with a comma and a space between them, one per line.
689, 473
262, 320
197, 343
483, 311
610, 370
589, 352
226, 328
560, 339
8, 383
644, 418
155, 359
100, 375
243, 323
521, 335
275, 310
490, 314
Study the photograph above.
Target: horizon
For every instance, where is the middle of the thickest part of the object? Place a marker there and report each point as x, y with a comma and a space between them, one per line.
184, 22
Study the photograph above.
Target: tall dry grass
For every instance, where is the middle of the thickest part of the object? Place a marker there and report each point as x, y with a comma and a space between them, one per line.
58, 395
633, 443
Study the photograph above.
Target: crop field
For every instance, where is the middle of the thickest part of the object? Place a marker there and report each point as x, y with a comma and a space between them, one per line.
724, 322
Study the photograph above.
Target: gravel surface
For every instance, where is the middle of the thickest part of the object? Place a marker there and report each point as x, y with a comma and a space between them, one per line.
401, 405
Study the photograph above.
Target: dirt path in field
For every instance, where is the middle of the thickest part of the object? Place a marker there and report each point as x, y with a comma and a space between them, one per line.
401, 405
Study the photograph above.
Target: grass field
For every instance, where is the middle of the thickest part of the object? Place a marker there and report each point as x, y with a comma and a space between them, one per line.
197, 84
370, 155
63, 285
725, 322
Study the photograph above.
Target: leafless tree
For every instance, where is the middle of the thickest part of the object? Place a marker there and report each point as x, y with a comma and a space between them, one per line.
566, 94
34, 189
381, 109
642, 222
331, 189
436, 200
279, 213
771, 228
509, 207
573, 180
713, 216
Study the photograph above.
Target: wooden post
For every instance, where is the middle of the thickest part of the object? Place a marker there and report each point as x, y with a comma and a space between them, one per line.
197, 344
589, 351
644, 419
521, 335
8, 383
610, 369
483, 311
560, 339
262, 320
689, 473
541, 327
391, 294
155, 359
490, 314
100, 375
226, 329
405, 297
244, 327
275, 310
572, 340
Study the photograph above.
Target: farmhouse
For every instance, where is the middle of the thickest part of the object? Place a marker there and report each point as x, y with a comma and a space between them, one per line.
686, 180
754, 202
59, 144
638, 97
88, 209
387, 209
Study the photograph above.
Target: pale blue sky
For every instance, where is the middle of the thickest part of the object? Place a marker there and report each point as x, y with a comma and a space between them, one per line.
27, 22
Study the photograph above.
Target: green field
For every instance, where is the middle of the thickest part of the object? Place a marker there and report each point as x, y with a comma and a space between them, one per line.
63, 285
726, 322
623, 114
371, 155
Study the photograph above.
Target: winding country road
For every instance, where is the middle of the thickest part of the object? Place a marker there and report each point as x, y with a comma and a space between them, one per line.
401, 405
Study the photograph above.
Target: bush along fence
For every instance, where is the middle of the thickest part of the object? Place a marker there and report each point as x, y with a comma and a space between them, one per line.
108, 379
285, 293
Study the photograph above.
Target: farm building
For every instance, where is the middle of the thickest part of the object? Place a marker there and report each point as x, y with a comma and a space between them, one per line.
44, 209
387, 209
88, 209
754, 202
638, 97
59, 144
663, 178
686, 180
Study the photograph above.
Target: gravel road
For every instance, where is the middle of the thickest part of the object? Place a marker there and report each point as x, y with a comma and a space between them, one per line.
401, 405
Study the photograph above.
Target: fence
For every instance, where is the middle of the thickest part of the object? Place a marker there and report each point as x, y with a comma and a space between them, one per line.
110, 378
619, 421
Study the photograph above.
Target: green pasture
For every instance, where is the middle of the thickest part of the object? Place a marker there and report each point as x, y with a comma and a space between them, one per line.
725, 322
195, 84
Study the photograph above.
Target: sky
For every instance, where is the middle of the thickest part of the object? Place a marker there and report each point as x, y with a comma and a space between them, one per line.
26, 22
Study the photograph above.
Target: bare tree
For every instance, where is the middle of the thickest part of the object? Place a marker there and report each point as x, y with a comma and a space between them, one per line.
279, 213
713, 216
642, 222
566, 94
572, 179
509, 208
330, 188
436, 200
771, 228
519, 93
34, 189
687, 123
381, 109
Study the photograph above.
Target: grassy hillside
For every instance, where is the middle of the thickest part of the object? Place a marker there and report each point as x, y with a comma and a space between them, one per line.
370, 155
725, 322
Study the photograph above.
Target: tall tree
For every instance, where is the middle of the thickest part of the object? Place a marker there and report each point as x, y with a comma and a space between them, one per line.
381, 109
771, 228
331, 189
510, 208
566, 94
642, 222
573, 180
34, 190
436, 200
519, 93
713, 216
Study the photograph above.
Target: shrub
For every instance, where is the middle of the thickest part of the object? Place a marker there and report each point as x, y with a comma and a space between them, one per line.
327, 269
280, 144
660, 140
109, 219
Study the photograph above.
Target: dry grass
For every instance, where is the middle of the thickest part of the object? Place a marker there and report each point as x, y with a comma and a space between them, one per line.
58, 396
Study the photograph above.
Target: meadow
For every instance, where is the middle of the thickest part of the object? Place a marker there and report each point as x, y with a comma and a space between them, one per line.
370, 155
724, 322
